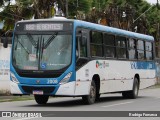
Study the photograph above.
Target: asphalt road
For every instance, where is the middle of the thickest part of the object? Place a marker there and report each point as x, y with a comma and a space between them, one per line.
148, 100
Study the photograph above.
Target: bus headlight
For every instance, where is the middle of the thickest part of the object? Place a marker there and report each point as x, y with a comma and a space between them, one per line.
13, 78
66, 78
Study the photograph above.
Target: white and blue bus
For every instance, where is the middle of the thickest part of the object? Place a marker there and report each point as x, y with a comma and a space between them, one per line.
65, 57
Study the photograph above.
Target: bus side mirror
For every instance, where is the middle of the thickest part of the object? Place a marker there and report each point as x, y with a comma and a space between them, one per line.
7, 38
5, 42
83, 41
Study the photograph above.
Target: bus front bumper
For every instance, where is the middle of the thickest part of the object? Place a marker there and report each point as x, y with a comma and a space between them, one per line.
67, 89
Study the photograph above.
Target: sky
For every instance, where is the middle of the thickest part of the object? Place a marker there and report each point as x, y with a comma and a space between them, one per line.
149, 1
152, 1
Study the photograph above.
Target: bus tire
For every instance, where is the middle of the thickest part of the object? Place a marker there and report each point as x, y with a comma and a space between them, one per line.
133, 94
90, 99
97, 97
41, 99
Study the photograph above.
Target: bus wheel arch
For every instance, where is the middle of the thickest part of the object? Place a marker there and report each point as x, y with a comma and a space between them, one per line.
94, 91
132, 94
138, 79
90, 98
96, 79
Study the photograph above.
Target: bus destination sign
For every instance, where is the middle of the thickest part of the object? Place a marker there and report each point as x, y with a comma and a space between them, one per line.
43, 27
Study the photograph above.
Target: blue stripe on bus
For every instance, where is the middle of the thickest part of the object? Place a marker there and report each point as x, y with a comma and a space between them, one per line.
143, 65
112, 30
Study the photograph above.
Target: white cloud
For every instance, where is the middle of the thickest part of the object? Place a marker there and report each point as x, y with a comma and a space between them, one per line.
152, 1
1, 9
13, 2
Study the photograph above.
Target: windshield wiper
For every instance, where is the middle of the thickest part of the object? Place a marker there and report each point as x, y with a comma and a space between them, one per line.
21, 45
31, 40
42, 48
47, 43
37, 46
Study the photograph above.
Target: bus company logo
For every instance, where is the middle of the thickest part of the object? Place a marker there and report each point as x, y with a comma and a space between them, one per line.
38, 81
101, 64
142, 65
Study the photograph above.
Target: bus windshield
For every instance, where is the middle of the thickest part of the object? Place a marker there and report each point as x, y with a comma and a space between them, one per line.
42, 51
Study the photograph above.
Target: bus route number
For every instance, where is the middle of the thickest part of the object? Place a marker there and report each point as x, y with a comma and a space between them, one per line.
52, 81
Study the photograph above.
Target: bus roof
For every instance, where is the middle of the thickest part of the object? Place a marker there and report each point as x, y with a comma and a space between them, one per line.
112, 30
48, 20
93, 26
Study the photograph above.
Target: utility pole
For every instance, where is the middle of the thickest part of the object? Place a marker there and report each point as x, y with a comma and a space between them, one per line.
66, 8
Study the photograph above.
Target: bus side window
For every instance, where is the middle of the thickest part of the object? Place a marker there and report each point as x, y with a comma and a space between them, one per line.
132, 49
121, 47
96, 44
140, 49
109, 45
148, 50
83, 47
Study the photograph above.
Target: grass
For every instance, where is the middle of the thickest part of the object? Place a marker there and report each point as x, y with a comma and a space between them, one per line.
15, 98
155, 86
5, 92
5, 96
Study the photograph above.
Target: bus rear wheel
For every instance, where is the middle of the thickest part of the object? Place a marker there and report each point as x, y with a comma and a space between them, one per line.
41, 99
90, 99
134, 92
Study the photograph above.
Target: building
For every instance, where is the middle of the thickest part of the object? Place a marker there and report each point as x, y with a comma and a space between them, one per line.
4, 65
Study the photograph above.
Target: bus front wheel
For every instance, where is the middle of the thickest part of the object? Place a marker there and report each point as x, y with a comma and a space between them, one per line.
90, 99
134, 92
41, 99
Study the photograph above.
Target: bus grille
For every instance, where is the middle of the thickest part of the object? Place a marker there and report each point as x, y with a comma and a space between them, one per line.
46, 90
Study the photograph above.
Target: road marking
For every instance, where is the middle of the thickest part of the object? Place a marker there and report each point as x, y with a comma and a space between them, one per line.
118, 104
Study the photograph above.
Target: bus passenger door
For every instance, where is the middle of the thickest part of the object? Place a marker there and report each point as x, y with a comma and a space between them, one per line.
82, 83
81, 48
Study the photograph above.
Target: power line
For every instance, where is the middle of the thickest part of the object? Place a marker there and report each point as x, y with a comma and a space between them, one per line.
142, 14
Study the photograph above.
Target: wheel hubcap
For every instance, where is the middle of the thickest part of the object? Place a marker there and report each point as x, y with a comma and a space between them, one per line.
136, 90
92, 92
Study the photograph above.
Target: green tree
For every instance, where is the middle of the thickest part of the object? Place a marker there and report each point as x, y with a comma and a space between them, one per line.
74, 6
14, 13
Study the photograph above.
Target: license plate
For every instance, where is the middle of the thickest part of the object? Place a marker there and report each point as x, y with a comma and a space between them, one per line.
37, 92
